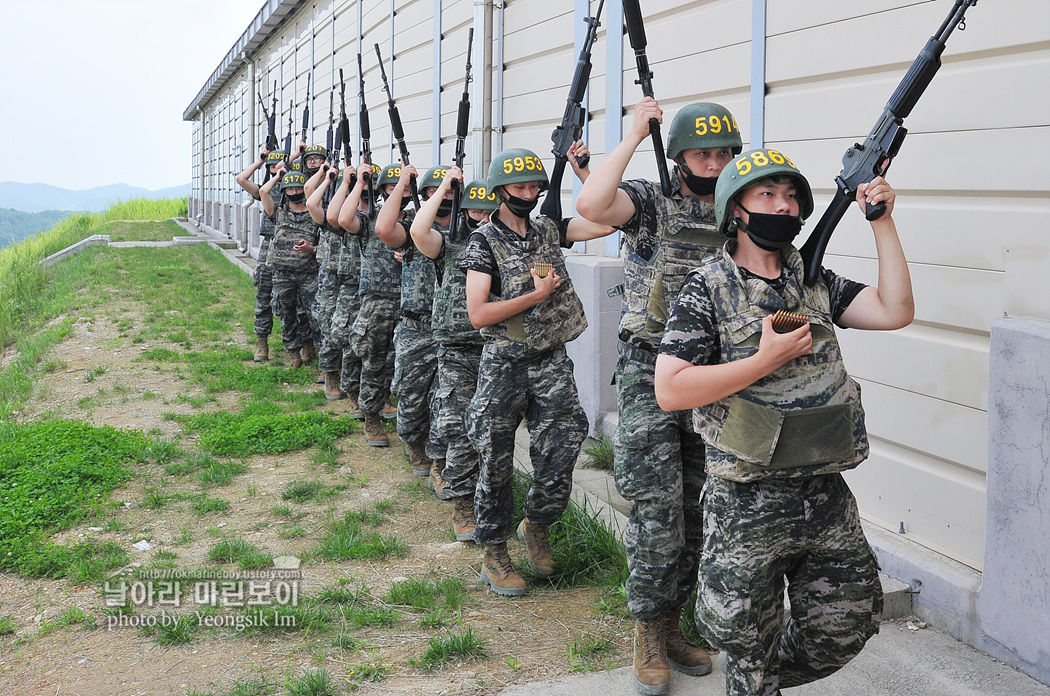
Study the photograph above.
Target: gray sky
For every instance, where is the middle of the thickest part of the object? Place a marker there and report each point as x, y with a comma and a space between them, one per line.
94, 90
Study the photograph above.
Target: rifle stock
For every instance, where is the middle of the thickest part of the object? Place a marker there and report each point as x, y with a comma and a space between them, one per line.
366, 136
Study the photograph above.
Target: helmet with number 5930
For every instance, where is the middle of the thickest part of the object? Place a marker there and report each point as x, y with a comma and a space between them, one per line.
746, 170
478, 196
517, 166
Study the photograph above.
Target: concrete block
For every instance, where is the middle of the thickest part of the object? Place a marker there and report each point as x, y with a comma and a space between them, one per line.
183, 241
896, 598
93, 240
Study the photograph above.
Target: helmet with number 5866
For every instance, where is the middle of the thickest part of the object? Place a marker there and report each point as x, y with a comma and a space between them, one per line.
517, 166
746, 170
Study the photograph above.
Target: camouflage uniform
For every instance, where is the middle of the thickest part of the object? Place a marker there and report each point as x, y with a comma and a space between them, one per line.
347, 306
262, 277
415, 362
659, 459
777, 512
294, 275
329, 356
459, 356
525, 372
373, 330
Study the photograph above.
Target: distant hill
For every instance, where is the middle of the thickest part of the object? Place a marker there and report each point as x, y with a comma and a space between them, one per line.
36, 198
16, 225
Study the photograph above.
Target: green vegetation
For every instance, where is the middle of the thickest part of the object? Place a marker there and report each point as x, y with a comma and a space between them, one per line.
16, 225
244, 434
346, 539
442, 650
599, 451
591, 653
146, 209
312, 682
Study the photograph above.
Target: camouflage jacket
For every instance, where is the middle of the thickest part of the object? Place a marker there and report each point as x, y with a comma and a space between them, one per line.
451, 322
348, 267
290, 228
380, 271
418, 279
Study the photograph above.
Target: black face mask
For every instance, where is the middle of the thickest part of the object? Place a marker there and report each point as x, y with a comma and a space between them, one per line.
519, 206
700, 185
296, 198
472, 224
771, 232
444, 209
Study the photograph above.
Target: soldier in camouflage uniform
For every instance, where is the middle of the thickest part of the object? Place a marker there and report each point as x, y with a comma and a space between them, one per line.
292, 255
415, 359
372, 334
659, 460
330, 356
520, 296
458, 342
312, 159
780, 418
262, 276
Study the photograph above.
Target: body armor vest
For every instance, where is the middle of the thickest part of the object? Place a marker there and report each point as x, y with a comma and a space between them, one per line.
805, 419
380, 271
451, 322
329, 249
266, 227
290, 228
555, 321
348, 268
418, 278
686, 237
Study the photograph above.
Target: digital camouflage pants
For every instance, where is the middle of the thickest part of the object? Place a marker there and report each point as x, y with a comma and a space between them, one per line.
458, 369
262, 278
292, 290
372, 338
329, 353
803, 534
659, 468
540, 388
415, 385
347, 307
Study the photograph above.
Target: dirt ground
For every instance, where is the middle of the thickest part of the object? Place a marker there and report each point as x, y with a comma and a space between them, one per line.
527, 638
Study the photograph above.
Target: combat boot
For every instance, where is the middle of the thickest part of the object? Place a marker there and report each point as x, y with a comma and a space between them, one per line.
296, 359
262, 349
389, 411
309, 353
682, 655
652, 676
375, 433
537, 540
498, 572
437, 483
331, 386
463, 520
418, 460
353, 410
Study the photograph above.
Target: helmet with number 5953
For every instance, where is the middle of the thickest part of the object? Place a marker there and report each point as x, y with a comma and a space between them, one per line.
746, 170
478, 196
517, 166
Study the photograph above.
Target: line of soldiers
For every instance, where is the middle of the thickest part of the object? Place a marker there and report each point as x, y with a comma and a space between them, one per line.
466, 321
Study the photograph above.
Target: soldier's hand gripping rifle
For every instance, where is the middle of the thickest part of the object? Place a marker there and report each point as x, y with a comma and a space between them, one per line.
331, 144
366, 136
632, 17
571, 128
462, 128
864, 162
271, 126
397, 128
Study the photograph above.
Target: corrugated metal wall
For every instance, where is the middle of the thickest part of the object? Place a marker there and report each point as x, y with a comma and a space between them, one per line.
972, 181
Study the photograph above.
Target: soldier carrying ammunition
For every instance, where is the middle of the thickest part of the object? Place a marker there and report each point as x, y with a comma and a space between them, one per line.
780, 418
520, 296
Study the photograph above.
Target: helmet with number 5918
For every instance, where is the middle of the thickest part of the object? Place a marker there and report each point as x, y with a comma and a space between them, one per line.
746, 170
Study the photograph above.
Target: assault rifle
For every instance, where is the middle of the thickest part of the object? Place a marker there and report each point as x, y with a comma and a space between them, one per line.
306, 115
571, 127
397, 128
864, 162
271, 126
343, 134
366, 135
331, 146
462, 126
632, 16
288, 137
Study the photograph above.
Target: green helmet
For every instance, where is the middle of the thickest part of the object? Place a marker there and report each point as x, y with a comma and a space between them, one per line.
297, 166
293, 180
517, 166
275, 157
315, 150
746, 170
390, 174
433, 178
477, 196
703, 126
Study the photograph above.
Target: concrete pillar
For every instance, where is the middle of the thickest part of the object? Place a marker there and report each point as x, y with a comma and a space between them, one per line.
1014, 600
594, 353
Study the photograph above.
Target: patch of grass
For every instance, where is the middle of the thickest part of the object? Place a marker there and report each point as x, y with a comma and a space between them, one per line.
245, 554
442, 650
590, 653
428, 594
600, 452
94, 373
286, 618
342, 592
244, 434
302, 490
8, 625
185, 536
346, 540
81, 563
296, 531
360, 616
373, 673
220, 473
344, 641
281, 511
327, 452
173, 629
204, 505
160, 355
312, 682
257, 685
159, 209
196, 401
156, 499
